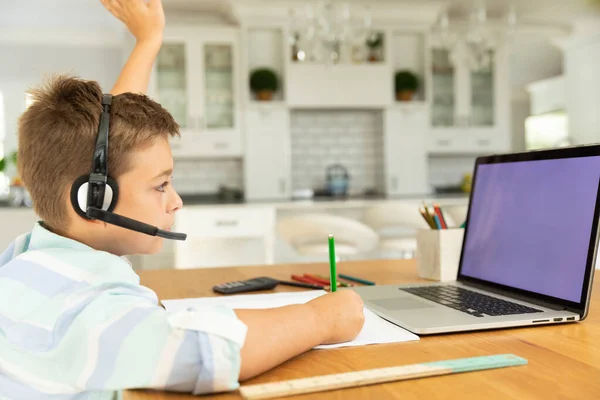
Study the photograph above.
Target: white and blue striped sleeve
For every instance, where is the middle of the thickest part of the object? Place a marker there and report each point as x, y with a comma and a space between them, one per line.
64, 331
106, 341
143, 346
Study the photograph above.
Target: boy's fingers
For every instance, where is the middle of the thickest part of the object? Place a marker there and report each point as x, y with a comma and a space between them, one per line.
117, 4
112, 6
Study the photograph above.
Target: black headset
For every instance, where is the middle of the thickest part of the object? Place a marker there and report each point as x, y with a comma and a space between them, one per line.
95, 196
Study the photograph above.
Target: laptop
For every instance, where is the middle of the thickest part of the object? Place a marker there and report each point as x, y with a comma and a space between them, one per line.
528, 252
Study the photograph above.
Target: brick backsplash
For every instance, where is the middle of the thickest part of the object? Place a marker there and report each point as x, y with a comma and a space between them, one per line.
205, 176
353, 138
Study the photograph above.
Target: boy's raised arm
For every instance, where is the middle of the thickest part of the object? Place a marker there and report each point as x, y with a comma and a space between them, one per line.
145, 21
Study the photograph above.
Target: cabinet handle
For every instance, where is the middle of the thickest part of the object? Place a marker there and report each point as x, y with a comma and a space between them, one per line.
394, 183
483, 142
221, 146
227, 222
443, 142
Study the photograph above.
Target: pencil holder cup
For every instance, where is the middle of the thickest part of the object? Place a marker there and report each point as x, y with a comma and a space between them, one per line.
438, 253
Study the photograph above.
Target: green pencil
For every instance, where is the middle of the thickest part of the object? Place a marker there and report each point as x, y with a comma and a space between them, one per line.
332, 272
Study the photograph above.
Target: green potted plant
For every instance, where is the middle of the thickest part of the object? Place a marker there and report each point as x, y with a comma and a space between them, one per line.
5, 161
263, 82
406, 84
374, 42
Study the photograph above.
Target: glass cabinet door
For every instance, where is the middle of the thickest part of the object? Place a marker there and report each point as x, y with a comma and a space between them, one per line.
172, 81
482, 96
442, 108
219, 101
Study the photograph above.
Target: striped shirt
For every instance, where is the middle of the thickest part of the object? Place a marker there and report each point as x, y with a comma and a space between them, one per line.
75, 323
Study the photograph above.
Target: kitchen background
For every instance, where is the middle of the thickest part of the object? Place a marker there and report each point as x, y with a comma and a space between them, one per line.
339, 134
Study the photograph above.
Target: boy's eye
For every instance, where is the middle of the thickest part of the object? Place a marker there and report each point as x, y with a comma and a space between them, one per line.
162, 187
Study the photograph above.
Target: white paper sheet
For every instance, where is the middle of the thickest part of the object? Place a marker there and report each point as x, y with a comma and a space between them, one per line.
375, 329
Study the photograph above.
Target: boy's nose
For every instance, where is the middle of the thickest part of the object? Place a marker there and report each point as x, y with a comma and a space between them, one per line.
177, 203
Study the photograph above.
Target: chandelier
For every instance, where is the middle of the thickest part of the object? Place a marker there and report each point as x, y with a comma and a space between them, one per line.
329, 31
475, 42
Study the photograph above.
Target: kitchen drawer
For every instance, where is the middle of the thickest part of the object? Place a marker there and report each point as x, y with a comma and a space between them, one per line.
478, 142
226, 222
446, 142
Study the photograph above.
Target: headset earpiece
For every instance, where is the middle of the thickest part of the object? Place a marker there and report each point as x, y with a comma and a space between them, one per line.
79, 192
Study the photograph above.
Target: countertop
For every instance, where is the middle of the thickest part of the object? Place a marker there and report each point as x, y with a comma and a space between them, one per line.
324, 201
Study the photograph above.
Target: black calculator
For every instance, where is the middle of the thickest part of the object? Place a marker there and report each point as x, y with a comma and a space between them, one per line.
250, 285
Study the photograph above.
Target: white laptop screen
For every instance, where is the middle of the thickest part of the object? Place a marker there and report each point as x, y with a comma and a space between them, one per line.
530, 224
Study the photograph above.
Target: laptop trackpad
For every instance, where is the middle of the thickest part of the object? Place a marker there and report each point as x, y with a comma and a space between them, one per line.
399, 303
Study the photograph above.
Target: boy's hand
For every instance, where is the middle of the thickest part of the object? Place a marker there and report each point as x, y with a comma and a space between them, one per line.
341, 314
145, 21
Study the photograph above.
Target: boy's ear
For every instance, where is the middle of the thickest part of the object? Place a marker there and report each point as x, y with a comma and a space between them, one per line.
79, 195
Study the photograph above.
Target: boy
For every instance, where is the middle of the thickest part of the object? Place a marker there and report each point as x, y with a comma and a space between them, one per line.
74, 321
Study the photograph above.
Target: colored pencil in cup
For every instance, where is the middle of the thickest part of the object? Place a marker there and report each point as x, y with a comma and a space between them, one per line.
438, 224
427, 213
438, 212
426, 218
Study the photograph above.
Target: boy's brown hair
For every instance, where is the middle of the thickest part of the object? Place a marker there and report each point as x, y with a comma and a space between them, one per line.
57, 135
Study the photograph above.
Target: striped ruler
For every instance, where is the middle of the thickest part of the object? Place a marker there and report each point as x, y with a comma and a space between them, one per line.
379, 375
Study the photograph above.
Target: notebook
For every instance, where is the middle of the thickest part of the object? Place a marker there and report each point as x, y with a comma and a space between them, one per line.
375, 329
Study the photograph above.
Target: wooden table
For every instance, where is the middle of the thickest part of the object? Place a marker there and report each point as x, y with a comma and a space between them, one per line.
564, 360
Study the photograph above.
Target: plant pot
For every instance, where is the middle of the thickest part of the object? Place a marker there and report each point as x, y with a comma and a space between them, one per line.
404, 95
264, 95
373, 56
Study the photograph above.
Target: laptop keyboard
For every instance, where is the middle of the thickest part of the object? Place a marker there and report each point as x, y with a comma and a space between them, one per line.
468, 301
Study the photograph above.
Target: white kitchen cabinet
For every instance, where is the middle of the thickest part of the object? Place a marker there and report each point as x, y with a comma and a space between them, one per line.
225, 236
469, 109
196, 77
339, 85
267, 156
405, 138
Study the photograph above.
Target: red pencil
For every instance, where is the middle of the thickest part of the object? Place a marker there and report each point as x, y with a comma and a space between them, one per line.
317, 279
438, 212
305, 280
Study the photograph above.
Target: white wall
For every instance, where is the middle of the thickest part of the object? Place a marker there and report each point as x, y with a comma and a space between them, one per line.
532, 58
520, 111
582, 81
24, 66
85, 15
